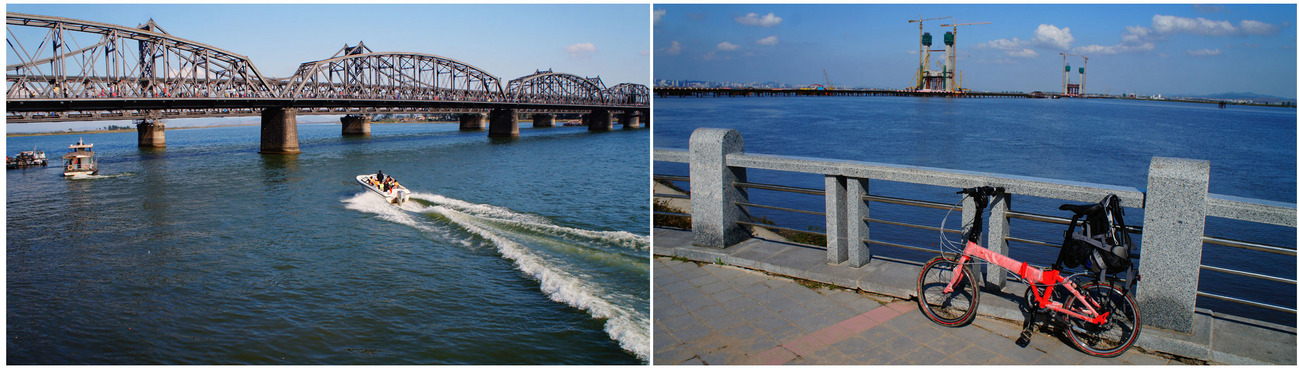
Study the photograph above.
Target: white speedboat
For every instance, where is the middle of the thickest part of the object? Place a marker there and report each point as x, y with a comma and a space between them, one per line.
393, 191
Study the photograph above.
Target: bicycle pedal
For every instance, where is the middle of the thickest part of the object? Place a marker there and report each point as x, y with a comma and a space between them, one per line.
1024, 338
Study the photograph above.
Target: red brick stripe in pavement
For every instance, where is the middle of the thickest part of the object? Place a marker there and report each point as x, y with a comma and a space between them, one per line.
816, 341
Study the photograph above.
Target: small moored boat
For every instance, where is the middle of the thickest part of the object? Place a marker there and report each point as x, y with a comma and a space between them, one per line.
81, 161
25, 159
389, 188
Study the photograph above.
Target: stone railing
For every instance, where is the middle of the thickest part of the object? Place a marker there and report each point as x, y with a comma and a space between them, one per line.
1176, 202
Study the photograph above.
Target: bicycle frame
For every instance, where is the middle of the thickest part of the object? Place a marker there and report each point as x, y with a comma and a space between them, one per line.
1033, 276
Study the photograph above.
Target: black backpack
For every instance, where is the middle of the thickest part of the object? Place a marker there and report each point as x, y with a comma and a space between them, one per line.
1096, 239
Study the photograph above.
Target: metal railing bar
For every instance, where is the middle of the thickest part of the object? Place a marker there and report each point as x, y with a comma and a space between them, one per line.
931, 228
1034, 242
780, 188
901, 246
1249, 245
664, 195
906, 202
1245, 302
779, 208
773, 227
1132, 229
672, 178
1248, 274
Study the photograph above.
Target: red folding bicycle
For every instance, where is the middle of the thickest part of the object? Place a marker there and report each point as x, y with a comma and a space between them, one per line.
1100, 318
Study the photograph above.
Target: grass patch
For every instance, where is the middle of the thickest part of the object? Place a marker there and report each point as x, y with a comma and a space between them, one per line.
661, 220
814, 285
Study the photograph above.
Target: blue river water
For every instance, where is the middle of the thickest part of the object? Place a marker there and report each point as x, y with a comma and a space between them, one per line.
532, 250
1251, 151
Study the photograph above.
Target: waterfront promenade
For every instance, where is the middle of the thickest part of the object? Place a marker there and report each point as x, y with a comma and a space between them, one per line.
710, 310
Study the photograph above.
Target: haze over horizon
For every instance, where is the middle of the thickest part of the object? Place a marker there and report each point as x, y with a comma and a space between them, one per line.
1168, 49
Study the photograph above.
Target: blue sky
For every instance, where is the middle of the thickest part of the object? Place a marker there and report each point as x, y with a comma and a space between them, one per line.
1146, 49
509, 41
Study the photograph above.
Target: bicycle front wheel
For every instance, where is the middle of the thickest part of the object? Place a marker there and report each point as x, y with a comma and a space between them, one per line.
953, 309
1118, 332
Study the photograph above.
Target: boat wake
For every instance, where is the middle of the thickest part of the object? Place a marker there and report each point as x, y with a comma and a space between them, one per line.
97, 176
604, 273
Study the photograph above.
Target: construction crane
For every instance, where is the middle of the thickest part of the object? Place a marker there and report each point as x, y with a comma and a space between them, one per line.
924, 55
951, 52
828, 85
1083, 71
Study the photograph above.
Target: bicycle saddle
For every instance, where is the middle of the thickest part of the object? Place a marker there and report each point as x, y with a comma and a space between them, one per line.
1081, 208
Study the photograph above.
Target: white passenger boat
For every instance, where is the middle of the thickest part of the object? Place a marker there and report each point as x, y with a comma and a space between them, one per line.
393, 191
81, 161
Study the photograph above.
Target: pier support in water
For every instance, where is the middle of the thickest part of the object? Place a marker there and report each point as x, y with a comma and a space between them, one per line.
280, 131
599, 120
356, 124
151, 133
473, 121
644, 118
629, 120
543, 120
504, 123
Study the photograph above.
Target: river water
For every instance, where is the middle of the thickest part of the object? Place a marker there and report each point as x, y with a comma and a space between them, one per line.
1251, 151
531, 250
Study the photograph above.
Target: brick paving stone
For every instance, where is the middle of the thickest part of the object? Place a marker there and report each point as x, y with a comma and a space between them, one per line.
812, 322
692, 333
853, 345
704, 279
878, 356
678, 323
716, 287
1133, 357
698, 302
923, 356
669, 311
1027, 355
862, 305
675, 286
783, 304
948, 344
726, 295
693, 361
786, 332
711, 312
725, 322
777, 355
899, 344
673, 356
925, 332
974, 355
804, 345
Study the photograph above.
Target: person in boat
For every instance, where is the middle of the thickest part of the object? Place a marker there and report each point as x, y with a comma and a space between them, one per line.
379, 176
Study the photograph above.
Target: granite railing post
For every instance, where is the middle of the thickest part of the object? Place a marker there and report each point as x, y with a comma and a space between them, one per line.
998, 230
836, 219
713, 194
858, 253
1172, 241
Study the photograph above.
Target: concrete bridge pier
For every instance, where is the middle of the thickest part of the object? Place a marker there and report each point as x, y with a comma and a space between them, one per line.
543, 120
644, 118
600, 120
356, 124
151, 133
503, 123
629, 120
280, 131
473, 121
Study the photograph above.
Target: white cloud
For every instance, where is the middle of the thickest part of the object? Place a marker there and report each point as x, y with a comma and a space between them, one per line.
658, 14
1175, 24
727, 46
753, 19
1049, 35
1257, 27
1025, 53
769, 41
1013, 44
675, 49
578, 50
1204, 52
643, 53
711, 55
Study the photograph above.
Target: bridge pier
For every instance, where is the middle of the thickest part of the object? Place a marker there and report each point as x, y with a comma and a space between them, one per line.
473, 121
356, 124
600, 120
629, 120
543, 120
644, 118
504, 123
151, 133
280, 131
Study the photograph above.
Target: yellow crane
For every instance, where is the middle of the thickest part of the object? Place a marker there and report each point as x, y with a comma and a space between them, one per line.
828, 85
924, 56
951, 52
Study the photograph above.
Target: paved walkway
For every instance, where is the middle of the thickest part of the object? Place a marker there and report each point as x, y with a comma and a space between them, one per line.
716, 314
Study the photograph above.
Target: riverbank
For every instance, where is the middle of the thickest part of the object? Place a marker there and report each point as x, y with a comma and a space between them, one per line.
102, 131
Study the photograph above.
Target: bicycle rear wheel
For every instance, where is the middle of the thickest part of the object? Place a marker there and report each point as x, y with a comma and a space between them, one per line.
953, 309
1118, 332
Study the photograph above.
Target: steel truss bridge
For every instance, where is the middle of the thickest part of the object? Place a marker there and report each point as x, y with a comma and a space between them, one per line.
73, 70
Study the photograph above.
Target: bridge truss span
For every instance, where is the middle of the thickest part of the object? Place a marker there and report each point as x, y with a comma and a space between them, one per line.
55, 58
358, 73
558, 88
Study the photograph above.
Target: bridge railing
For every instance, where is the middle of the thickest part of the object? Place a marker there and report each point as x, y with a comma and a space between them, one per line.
1176, 203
